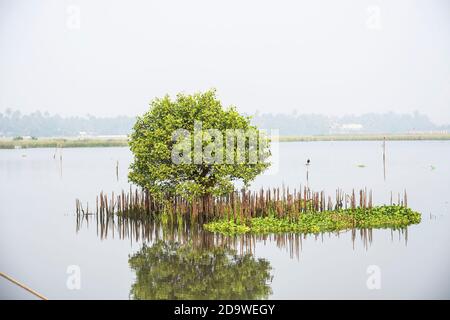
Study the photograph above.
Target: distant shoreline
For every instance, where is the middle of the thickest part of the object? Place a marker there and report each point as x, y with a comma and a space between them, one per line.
62, 143
369, 137
6, 143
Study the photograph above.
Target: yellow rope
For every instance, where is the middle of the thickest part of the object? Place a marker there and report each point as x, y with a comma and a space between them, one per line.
23, 286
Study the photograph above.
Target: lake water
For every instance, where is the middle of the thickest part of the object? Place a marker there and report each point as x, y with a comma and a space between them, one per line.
40, 238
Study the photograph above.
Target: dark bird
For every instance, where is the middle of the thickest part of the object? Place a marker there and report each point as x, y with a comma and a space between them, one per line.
308, 162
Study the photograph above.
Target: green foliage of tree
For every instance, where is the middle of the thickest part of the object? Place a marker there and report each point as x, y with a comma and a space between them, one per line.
168, 270
152, 141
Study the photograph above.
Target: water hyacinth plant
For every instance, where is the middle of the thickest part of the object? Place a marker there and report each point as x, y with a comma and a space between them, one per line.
393, 216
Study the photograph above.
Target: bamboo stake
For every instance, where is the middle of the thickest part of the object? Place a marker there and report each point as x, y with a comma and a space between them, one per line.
40, 296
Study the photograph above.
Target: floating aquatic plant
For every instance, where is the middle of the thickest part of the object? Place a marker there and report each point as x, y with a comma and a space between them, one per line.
393, 216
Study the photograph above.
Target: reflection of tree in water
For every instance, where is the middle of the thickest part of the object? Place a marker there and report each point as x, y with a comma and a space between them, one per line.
169, 270
149, 230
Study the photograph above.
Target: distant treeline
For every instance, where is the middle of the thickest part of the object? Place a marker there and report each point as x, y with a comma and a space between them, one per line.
38, 124
314, 124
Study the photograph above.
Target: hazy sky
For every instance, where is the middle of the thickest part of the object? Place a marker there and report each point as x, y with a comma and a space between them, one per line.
333, 57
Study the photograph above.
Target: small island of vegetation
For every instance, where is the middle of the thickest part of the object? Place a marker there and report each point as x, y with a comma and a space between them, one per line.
189, 151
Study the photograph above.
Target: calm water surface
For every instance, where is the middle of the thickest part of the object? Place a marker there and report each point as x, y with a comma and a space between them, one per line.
40, 237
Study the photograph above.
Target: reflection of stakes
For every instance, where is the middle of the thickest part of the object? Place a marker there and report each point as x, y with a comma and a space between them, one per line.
183, 231
60, 157
117, 170
60, 164
384, 158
